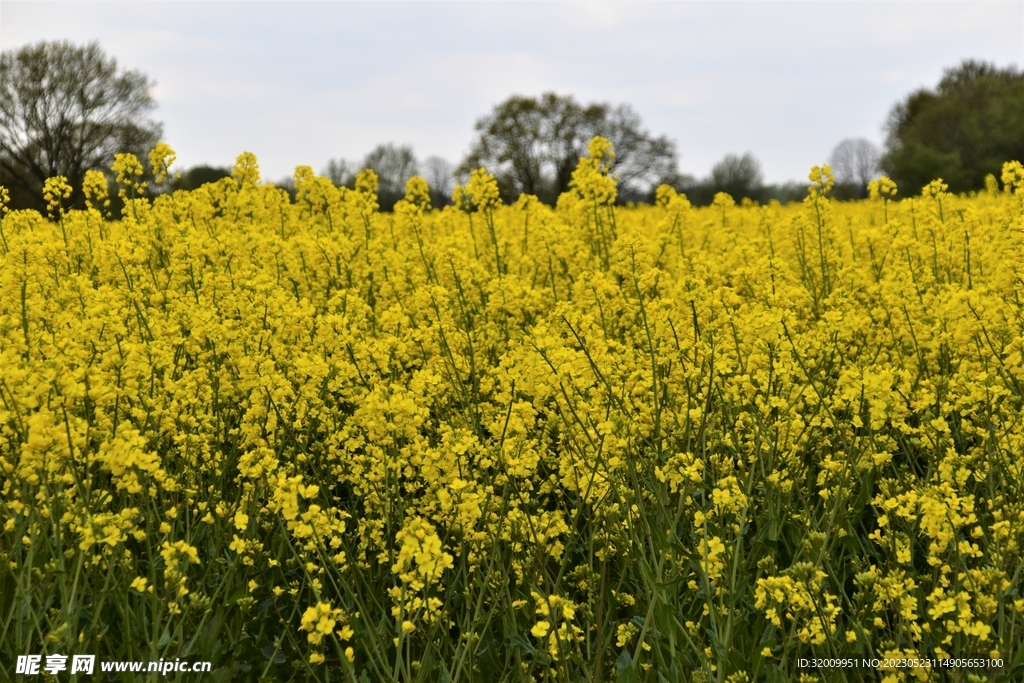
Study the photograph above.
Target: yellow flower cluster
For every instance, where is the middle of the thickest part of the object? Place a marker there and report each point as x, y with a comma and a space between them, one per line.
517, 443
554, 624
421, 558
800, 597
55, 191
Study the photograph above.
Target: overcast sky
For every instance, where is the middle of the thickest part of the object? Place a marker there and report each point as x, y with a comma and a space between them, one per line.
303, 82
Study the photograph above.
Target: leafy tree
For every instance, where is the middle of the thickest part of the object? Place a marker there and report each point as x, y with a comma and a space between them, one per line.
197, 176
854, 162
532, 145
965, 128
792, 191
740, 176
66, 109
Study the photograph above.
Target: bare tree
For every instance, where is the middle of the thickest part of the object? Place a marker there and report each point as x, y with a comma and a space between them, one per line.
341, 172
394, 165
440, 176
855, 161
64, 110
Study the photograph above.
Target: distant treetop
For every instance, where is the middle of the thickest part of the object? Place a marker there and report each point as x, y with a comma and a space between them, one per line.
964, 129
533, 144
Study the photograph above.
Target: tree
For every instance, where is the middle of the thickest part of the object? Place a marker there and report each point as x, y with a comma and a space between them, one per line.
394, 166
197, 176
964, 129
532, 145
854, 162
740, 176
66, 109
341, 172
642, 161
440, 176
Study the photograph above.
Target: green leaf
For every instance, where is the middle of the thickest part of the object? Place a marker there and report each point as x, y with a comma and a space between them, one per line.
626, 672
164, 639
522, 644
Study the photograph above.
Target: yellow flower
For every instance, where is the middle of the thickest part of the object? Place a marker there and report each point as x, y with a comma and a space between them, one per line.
129, 173
319, 620
1013, 177
821, 179
480, 193
881, 187
420, 547
323, 389
592, 180
55, 191
246, 171
160, 159
624, 633
237, 545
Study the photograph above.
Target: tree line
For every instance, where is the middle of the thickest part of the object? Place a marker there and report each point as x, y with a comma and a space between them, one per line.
66, 109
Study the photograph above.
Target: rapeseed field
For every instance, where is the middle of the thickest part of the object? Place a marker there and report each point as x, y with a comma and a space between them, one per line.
311, 441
